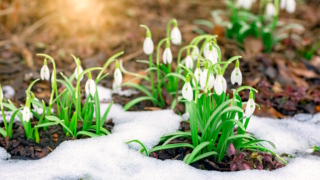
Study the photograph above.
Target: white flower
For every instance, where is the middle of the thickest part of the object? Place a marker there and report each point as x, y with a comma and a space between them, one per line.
35, 106
26, 114
197, 74
213, 56
1, 94
194, 52
245, 4
148, 46
176, 36
45, 73
206, 50
291, 6
189, 62
187, 92
251, 106
203, 79
76, 72
117, 75
236, 76
167, 56
220, 84
270, 10
288, 5
90, 87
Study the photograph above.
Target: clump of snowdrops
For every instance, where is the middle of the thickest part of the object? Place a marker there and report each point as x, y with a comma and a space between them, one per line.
69, 108
213, 113
239, 22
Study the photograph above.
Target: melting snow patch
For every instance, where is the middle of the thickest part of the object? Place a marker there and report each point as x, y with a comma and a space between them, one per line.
109, 157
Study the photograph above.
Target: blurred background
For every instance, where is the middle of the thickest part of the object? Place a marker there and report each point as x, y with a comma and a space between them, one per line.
96, 29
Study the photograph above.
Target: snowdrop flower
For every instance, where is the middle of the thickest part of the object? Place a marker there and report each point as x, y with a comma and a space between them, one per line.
189, 62
117, 75
251, 106
187, 92
90, 86
236, 75
115, 88
45, 72
270, 10
197, 74
220, 84
206, 50
26, 113
245, 4
167, 54
148, 44
78, 70
176, 35
288, 5
194, 53
212, 54
36, 99
203, 78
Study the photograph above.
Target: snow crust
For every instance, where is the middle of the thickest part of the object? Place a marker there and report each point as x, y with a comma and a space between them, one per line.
109, 157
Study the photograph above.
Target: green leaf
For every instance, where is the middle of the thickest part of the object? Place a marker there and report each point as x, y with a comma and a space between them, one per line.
170, 146
196, 151
204, 155
104, 117
139, 99
3, 132
176, 75
143, 146
86, 133
139, 87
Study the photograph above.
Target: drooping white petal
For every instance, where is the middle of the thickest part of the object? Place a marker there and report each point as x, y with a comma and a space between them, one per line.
189, 62
213, 56
219, 85
206, 50
236, 76
240, 3
90, 87
26, 114
167, 56
247, 4
117, 77
176, 36
148, 46
251, 106
211, 81
187, 91
291, 6
197, 74
194, 52
45, 73
224, 84
76, 72
270, 10
1, 95
203, 78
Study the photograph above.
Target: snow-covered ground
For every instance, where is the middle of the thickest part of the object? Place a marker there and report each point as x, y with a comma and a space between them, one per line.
109, 157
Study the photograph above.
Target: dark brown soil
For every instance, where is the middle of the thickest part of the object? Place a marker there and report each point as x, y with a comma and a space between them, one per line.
21, 148
243, 160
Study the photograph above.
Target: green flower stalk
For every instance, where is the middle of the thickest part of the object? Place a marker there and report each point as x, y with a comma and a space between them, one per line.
148, 48
2, 110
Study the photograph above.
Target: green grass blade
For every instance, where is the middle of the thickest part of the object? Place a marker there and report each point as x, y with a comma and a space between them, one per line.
143, 146
139, 99
171, 146
204, 155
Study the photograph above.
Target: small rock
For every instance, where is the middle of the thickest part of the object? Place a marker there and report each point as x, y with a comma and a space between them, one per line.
15, 143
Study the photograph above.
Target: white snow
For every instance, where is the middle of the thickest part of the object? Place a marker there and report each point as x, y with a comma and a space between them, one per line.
109, 157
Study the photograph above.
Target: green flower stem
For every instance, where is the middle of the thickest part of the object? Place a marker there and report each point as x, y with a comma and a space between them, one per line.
174, 21
158, 71
54, 83
230, 61
197, 39
78, 106
154, 93
110, 60
179, 55
4, 119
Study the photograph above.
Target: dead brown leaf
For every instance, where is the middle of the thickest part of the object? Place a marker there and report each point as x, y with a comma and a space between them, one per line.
133, 79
